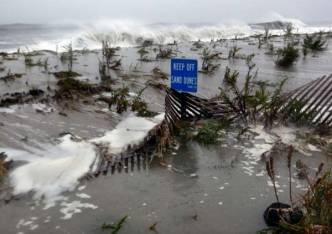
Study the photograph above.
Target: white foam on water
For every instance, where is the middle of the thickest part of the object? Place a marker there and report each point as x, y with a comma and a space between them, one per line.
51, 175
70, 208
7, 110
83, 195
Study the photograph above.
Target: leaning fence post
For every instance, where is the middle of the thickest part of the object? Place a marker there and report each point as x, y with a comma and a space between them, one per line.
183, 106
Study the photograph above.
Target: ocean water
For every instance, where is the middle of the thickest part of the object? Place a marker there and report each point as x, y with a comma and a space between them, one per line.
130, 33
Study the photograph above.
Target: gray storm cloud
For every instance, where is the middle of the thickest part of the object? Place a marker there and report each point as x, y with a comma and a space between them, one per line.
41, 11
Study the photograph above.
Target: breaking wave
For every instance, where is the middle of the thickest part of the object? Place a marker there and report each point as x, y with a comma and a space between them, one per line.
125, 33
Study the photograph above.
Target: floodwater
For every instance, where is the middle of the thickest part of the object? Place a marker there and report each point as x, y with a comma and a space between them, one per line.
194, 189
201, 190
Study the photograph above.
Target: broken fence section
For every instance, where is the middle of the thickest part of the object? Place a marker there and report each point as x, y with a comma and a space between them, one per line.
313, 99
312, 102
186, 106
135, 157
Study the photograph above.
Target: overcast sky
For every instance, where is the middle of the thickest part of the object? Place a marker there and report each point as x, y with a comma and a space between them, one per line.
37, 11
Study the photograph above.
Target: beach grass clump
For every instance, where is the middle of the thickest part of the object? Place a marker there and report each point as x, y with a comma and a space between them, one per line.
165, 53
108, 52
159, 74
329, 148
209, 132
139, 106
315, 42
288, 31
184, 130
66, 74
143, 54
70, 84
28, 59
10, 76
233, 52
287, 56
120, 98
198, 44
208, 66
69, 88
294, 113
270, 102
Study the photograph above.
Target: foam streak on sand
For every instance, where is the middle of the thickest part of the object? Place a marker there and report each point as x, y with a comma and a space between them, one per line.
61, 166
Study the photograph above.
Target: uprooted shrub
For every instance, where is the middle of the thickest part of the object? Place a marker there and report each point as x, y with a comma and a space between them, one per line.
287, 56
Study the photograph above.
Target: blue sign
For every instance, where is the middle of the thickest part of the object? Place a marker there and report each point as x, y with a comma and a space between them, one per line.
184, 75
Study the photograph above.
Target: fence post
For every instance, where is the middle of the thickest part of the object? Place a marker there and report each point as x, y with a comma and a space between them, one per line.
183, 106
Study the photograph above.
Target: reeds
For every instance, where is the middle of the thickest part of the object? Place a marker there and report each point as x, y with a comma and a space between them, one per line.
289, 166
271, 173
314, 214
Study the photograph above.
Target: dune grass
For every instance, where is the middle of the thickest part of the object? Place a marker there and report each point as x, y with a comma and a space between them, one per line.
287, 56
